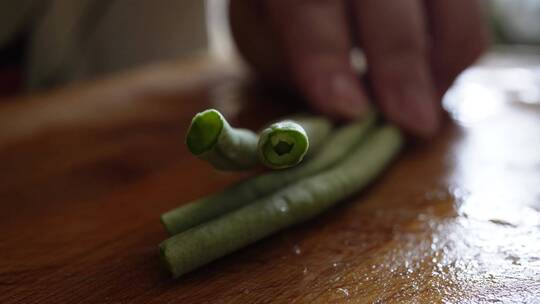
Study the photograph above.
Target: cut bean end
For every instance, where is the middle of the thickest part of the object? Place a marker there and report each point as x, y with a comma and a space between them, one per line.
204, 131
283, 145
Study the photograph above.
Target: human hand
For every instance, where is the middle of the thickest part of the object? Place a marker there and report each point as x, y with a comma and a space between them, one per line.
414, 51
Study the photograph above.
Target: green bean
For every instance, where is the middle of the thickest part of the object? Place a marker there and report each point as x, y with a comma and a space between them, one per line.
282, 145
336, 147
317, 128
299, 202
211, 138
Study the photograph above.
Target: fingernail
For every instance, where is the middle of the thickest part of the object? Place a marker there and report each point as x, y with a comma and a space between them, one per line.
347, 96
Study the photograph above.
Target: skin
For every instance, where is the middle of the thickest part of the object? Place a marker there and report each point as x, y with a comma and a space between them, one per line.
414, 50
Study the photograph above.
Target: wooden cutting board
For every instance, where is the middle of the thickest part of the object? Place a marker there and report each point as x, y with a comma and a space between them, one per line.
85, 172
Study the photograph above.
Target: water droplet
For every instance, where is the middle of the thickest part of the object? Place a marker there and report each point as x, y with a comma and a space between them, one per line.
297, 250
436, 195
460, 194
282, 205
344, 291
305, 270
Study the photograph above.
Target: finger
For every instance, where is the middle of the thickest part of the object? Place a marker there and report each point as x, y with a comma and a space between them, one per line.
315, 38
459, 35
256, 41
393, 36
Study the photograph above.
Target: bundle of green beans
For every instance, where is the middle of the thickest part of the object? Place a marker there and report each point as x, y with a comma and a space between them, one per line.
214, 226
336, 147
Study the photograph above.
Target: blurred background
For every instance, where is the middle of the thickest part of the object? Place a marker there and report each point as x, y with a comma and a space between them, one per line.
46, 43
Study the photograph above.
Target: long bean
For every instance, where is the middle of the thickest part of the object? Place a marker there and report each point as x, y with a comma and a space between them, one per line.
297, 203
211, 138
282, 145
317, 128
336, 147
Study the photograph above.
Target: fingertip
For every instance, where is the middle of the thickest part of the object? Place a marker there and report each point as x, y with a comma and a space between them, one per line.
413, 108
425, 126
423, 122
349, 98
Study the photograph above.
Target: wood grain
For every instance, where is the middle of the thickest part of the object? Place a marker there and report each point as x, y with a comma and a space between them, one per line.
86, 171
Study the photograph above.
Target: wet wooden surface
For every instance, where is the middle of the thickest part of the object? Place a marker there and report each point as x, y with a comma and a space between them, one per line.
86, 171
